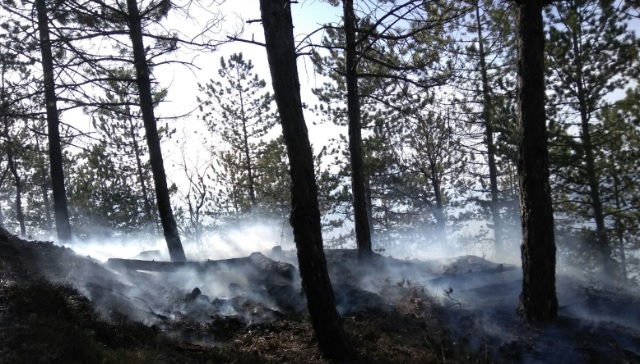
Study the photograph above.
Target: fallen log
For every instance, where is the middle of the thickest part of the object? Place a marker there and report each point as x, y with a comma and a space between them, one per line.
256, 263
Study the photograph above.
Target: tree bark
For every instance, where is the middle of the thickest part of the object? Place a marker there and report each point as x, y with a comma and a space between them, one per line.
44, 187
247, 154
11, 163
140, 171
305, 214
487, 115
438, 209
363, 232
169, 227
619, 227
18, 183
538, 301
55, 150
604, 247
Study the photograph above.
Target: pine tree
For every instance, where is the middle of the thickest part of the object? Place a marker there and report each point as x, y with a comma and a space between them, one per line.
391, 62
305, 213
61, 212
15, 76
274, 186
538, 300
121, 148
590, 54
618, 159
238, 111
489, 84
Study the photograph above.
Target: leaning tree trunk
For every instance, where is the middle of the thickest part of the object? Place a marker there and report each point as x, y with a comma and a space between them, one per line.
176, 252
363, 232
305, 213
55, 150
538, 301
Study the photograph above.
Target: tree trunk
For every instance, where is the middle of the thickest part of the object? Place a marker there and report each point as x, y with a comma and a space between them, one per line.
44, 187
247, 154
438, 209
141, 176
487, 116
11, 164
538, 301
580, 82
169, 227
604, 248
363, 233
55, 150
305, 213
620, 229
45, 202
18, 182
369, 196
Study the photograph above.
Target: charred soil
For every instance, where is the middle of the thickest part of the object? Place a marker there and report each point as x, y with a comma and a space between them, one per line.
58, 307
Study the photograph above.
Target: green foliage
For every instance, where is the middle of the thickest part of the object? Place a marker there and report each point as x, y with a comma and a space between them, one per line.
397, 75
111, 184
23, 165
486, 96
238, 112
274, 181
590, 54
618, 160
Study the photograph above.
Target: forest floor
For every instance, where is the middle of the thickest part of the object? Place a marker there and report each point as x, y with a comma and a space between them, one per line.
58, 307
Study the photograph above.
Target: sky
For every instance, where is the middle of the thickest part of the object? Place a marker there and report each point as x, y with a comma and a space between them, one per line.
182, 82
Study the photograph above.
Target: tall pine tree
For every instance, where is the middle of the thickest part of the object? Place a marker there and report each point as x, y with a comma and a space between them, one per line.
590, 55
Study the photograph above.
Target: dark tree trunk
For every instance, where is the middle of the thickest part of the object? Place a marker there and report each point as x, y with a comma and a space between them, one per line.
55, 150
18, 182
538, 301
45, 202
602, 240
4, 175
369, 196
438, 209
305, 214
11, 163
169, 227
487, 115
141, 175
608, 274
44, 187
363, 233
247, 154
620, 230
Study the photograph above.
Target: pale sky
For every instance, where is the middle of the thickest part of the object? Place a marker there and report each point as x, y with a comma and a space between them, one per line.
182, 82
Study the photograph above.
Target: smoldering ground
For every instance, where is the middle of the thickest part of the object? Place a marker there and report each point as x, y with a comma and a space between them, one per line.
475, 297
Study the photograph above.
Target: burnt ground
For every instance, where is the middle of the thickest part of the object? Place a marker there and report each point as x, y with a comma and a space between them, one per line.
58, 307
